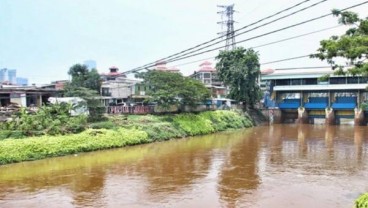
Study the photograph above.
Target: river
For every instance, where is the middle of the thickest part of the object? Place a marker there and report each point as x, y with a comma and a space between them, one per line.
268, 166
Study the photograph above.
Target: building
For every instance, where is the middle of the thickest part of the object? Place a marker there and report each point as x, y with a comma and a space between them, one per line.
208, 76
116, 88
311, 93
3, 75
9, 77
91, 64
57, 85
12, 76
23, 82
161, 66
112, 75
25, 96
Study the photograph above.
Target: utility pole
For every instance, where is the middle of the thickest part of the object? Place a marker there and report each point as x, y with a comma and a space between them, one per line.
227, 14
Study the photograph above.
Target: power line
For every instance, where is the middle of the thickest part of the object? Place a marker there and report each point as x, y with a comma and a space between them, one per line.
222, 36
297, 36
250, 30
306, 67
258, 36
267, 44
287, 59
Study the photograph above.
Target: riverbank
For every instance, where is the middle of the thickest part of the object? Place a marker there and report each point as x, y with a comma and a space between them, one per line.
121, 131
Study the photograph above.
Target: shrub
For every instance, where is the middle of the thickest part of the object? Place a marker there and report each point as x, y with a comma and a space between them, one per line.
51, 120
103, 125
12, 150
193, 124
362, 201
104, 135
162, 131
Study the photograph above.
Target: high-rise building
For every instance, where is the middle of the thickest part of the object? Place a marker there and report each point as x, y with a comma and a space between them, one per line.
3, 75
22, 81
9, 76
91, 64
12, 76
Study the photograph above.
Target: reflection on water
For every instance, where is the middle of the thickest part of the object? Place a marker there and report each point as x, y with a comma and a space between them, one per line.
267, 166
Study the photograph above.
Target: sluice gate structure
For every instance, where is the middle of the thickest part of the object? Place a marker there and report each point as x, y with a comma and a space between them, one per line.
308, 96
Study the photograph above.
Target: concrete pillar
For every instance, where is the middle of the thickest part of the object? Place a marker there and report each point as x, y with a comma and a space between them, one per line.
359, 119
302, 116
330, 116
23, 100
39, 101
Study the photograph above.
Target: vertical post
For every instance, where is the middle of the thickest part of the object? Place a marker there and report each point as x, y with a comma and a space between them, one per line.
301, 99
39, 103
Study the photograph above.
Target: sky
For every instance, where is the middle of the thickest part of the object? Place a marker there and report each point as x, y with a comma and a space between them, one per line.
42, 39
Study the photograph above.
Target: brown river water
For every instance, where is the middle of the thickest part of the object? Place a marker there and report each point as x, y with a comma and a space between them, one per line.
276, 166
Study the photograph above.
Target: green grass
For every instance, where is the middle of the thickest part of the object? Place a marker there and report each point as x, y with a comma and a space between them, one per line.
119, 131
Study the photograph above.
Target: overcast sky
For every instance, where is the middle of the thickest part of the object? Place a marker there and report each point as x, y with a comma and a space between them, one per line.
43, 38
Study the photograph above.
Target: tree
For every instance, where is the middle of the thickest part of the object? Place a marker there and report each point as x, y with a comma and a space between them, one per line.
86, 84
168, 88
95, 107
239, 69
351, 46
83, 77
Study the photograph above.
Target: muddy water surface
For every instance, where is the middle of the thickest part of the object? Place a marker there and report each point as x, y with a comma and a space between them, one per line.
270, 166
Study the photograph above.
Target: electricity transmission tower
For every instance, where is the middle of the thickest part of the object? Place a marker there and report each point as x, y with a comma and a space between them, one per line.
227, 14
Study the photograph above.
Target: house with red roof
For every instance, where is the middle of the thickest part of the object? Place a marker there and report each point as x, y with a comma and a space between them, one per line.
113, 74
161, 66
207, 74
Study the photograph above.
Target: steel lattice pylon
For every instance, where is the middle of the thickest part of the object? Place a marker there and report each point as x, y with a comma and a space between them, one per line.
227, 16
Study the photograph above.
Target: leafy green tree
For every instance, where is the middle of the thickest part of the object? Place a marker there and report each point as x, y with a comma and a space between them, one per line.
239, 69
86, 84
95, 107
168, 88
351, 46
83, 77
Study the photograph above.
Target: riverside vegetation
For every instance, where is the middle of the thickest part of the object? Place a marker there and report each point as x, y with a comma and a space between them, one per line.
52, 132
362, 201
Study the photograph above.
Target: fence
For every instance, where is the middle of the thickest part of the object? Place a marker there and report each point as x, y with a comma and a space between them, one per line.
141, 110
130, 109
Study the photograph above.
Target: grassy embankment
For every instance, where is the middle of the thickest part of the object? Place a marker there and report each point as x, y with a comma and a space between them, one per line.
120, 131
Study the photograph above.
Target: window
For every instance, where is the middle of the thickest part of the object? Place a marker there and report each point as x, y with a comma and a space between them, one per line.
317, 94
105, 91
282, 82
353, 80
295, 81
312, 81
207, 75
338, 80
363, 80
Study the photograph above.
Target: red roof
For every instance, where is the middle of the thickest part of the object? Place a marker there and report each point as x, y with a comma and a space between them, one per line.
206, 63
206, 67
267, 71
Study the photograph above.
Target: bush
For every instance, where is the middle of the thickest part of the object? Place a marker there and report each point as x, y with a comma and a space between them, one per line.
362, 201
162, 131
12, 150
103, 125
210, 121
51, 120
193, 124
104, 135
